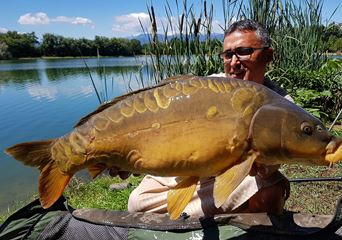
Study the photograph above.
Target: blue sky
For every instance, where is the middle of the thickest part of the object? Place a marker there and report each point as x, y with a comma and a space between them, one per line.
110, 18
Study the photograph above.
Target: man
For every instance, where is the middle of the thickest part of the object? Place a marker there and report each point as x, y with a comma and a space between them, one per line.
246, 54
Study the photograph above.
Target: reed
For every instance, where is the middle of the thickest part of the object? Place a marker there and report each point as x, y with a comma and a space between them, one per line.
186, 52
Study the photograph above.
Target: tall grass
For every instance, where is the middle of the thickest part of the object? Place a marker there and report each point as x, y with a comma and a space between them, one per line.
191, 49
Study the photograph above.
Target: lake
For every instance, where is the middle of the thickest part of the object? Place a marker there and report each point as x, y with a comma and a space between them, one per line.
42, 99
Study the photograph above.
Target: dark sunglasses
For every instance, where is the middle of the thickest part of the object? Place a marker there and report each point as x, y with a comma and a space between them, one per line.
239, 52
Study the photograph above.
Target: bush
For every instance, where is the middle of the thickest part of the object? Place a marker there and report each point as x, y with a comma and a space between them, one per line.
318, 91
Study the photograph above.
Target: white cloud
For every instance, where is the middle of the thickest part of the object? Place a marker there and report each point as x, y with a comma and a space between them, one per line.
42, 18
73, 20
34, 19
3, 30
217, 26
40, 92
129, 24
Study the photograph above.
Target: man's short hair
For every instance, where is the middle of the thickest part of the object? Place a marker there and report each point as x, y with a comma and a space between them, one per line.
250, 25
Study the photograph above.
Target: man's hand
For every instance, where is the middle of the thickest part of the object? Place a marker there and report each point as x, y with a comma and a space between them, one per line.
263, 171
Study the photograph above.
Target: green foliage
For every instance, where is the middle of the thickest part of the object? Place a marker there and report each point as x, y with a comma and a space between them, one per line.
54, 45
333, 37
308, 99
296, 30
318, 91
16, 45
19, 45
4, 53
335, 44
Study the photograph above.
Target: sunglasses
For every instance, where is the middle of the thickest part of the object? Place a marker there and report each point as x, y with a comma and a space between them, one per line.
242, 53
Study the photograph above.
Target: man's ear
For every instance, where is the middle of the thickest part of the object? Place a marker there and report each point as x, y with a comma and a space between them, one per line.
269, 55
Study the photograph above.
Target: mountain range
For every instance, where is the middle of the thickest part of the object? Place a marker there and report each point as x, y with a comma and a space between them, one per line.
145, 38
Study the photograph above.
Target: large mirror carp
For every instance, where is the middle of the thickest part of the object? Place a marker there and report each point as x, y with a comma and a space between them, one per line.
187, 126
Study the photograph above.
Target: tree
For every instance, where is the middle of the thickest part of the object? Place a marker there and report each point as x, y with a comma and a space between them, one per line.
4, 53
21, 44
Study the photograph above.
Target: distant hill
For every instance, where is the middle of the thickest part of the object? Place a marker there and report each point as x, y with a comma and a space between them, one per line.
145, 38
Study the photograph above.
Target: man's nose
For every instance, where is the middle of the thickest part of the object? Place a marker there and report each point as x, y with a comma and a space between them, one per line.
235, 61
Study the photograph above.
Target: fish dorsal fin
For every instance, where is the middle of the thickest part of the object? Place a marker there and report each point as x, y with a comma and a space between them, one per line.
226, 182
179, 196
95, 170
51, 184
120, 98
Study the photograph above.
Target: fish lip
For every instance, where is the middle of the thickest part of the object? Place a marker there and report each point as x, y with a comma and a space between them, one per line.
333, 151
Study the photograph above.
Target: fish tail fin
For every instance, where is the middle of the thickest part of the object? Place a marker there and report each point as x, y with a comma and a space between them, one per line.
35, 154
52, 181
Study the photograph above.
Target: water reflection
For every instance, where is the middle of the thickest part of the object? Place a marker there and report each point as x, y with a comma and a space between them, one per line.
58, 74
19, 77
29, 64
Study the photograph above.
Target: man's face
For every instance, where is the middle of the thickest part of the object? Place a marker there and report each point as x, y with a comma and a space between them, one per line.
253, 68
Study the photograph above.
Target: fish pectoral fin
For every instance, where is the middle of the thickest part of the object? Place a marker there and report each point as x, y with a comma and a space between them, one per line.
51, 184
95, 170
226, 182
179, 196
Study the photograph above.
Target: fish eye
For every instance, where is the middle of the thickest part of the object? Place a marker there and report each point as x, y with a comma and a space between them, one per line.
306, 128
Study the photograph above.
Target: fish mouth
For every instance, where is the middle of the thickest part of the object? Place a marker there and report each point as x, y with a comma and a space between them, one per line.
334, 151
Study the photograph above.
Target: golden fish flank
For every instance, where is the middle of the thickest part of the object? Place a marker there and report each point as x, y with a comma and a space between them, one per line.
161, 99
213, 87
195, 83
241, 99
178, 86
155, 125
257, 100
188, 89
220, 86
230, 124
114, 115
204, 83
227, 86
78, 142
139, 104
150, 102
170, 90
235, 84
127, 109
100, 123
212, 112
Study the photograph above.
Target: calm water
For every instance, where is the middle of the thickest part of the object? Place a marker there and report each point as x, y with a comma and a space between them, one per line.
42, 99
